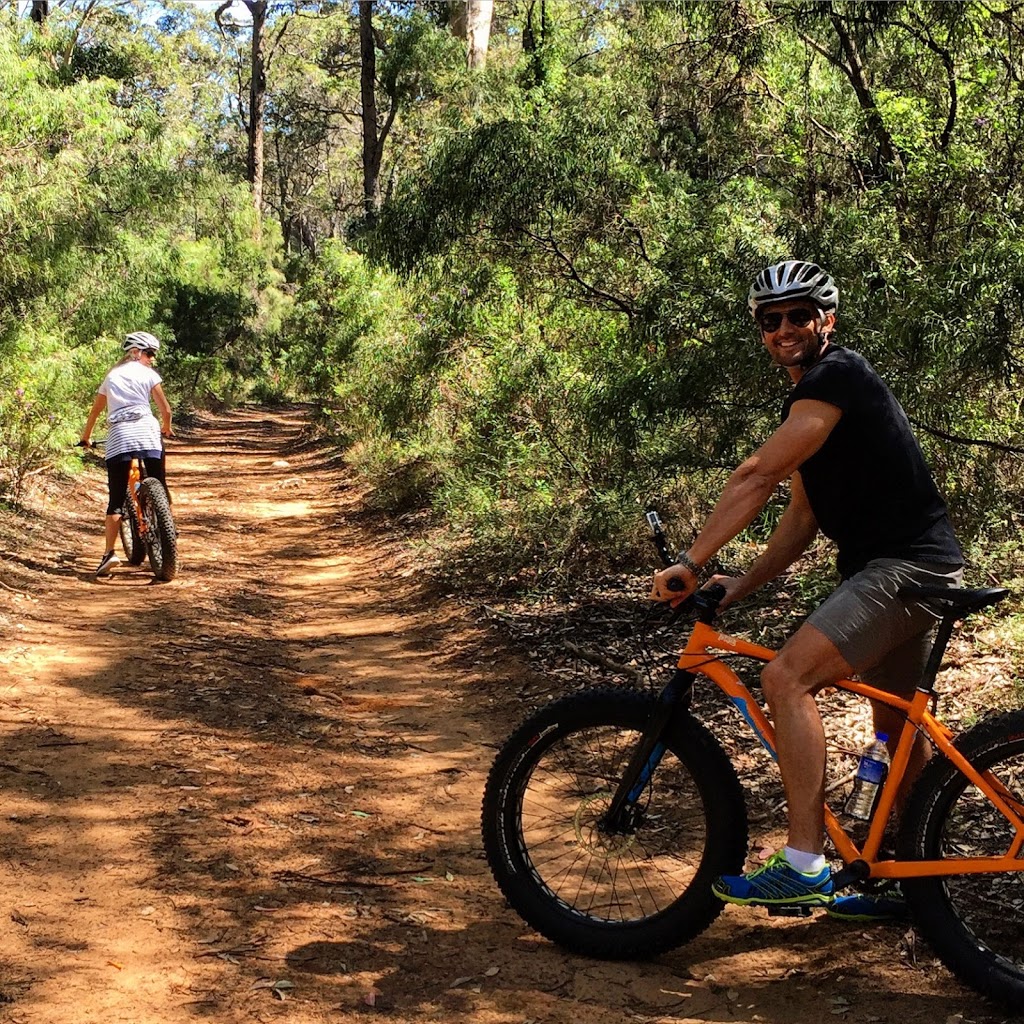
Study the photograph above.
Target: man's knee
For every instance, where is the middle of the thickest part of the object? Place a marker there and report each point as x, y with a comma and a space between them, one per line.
805, 664
784, 679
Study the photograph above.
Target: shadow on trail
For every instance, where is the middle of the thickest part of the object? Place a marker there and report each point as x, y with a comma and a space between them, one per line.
297, 754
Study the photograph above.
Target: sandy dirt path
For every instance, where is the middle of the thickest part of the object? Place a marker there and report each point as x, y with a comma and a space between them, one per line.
253, 794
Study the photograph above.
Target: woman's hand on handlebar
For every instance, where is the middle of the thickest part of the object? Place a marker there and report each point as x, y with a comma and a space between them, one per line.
674, 584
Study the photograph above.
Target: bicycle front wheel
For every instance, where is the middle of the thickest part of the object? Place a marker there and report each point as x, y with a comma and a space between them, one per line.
161, 536
974, 922
629, 894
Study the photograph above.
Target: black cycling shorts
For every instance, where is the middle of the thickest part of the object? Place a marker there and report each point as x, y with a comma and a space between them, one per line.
117, 479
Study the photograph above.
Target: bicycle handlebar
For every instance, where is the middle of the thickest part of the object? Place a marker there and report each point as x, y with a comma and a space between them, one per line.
706, 600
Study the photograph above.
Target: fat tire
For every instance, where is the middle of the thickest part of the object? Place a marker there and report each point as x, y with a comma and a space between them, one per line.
161, 536
131, 534
965, 917
718, 808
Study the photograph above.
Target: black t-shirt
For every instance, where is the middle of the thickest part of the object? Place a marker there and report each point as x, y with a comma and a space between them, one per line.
869, 486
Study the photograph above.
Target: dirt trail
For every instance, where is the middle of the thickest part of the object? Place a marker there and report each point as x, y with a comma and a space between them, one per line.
268, 773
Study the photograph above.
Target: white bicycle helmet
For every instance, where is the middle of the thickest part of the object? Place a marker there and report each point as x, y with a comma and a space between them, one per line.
142, 340
793, 279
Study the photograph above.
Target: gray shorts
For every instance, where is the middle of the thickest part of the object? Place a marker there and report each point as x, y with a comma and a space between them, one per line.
884, 637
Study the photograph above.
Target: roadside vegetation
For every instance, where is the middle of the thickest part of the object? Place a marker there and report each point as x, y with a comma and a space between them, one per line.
510, 280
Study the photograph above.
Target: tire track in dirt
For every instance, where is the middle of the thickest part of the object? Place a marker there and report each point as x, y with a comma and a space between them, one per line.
268, 773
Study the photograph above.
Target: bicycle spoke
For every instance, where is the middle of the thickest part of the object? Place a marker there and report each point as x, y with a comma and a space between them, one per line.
991, 906
609, 876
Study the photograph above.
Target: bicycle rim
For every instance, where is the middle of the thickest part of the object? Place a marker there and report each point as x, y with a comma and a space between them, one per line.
605, 877
976, 922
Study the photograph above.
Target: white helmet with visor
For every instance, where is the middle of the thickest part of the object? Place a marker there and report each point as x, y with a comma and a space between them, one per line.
142, 340
793, 279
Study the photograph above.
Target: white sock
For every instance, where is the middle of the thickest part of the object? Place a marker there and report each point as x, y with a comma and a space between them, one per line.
804, 862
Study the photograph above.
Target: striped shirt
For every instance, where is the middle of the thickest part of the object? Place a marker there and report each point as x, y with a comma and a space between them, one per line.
132, 427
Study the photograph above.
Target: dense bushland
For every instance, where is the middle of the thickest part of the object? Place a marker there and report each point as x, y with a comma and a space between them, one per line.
519, 300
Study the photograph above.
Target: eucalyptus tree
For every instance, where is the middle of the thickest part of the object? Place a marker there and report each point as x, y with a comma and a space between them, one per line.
471, 22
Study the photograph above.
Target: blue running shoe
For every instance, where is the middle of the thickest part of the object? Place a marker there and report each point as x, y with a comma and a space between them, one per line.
776, 884
885, 904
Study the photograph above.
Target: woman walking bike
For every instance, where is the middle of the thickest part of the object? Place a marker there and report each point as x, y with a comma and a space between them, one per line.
133, 430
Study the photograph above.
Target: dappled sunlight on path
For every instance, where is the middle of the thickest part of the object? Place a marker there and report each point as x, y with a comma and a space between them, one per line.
268, 773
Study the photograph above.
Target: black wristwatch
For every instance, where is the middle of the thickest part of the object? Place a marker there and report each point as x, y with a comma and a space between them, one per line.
684, 559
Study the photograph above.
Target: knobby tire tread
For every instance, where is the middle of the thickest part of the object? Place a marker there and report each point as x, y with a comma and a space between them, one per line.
161, 521
711, 773
934, 911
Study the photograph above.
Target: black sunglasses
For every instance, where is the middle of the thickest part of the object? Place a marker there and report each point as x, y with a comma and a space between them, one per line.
799, 317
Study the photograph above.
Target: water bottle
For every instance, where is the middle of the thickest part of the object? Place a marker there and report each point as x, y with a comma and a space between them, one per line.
871, 773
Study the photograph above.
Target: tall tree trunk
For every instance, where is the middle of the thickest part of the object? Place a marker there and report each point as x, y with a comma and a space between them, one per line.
257, 104
854, 68
257, 101
372, 144
471, 22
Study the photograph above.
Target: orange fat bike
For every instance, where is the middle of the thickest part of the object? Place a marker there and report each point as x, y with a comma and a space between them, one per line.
147, 526
607, 814
147, 523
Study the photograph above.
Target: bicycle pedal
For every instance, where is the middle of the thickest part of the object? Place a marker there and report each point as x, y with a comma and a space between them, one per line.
789, 911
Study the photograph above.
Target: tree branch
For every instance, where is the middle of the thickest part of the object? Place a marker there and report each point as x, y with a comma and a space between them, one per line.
980, 442
614, 300
947, 61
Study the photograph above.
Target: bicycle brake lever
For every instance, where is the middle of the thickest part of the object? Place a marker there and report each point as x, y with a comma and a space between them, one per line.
658, 536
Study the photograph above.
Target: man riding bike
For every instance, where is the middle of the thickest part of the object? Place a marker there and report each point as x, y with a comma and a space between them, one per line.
858, 474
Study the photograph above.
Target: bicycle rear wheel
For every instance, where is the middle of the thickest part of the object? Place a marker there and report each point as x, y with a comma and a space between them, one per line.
624, 895
974, 922
161, 536
131, 533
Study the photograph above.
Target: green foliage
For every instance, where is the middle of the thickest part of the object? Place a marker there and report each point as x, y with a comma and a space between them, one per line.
27, 432
653, 160
545, 331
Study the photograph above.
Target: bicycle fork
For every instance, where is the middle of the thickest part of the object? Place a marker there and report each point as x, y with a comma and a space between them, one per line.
621, 816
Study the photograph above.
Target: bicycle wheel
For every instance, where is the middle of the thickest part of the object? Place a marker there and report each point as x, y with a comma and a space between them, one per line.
974, 922
131, 534
161, 536
621, 896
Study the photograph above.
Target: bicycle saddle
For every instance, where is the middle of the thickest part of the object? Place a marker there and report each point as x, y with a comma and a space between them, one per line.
958, 601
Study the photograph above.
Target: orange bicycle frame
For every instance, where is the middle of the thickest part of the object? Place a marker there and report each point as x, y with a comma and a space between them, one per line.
135, 472
697, 658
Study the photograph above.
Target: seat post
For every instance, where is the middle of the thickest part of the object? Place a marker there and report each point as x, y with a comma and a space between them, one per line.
931, 669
